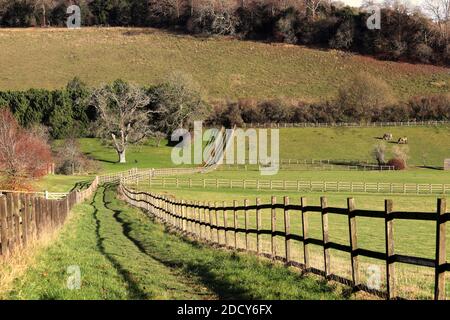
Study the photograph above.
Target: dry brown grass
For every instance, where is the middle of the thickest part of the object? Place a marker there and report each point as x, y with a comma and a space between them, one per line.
49, 58
15, 265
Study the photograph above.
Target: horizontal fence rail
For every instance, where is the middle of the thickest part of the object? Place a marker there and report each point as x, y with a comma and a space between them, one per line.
25, 217
310, 166
345, 124
205, 221
139, 173
44, 194
292, 185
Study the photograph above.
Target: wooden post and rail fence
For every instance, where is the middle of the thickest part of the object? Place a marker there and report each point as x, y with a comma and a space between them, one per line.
205, 220
26, 217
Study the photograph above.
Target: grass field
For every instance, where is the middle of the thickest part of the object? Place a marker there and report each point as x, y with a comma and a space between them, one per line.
428, 146
122, 254
49, 58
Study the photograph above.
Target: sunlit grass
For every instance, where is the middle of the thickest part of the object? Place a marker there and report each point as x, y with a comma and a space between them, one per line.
225, 68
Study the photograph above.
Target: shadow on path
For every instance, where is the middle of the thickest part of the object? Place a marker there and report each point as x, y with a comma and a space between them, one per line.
133, 289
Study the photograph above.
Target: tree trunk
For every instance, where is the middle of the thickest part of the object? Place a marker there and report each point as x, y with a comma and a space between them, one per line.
44, 22
122, 158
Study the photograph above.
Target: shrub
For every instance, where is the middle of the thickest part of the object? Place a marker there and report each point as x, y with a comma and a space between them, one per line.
362, 96
286, 27
398, 164
446, 54
70, 159
343, 39
423, 53
402, 153
433, 107
23, 156
275, 111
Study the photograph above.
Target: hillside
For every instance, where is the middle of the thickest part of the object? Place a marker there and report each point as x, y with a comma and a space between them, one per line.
37, 58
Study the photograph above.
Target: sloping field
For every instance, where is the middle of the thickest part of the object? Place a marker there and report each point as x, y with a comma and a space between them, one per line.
36, 58
428, 146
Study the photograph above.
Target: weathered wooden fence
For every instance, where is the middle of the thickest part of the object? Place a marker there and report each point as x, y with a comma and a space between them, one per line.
26, 217
292, 185
206, 220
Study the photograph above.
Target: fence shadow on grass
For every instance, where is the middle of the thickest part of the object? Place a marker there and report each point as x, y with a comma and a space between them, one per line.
133, 288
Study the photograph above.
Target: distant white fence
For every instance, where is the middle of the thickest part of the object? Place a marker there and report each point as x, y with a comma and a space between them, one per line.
43, 194
292, 185
135, 173
344, 124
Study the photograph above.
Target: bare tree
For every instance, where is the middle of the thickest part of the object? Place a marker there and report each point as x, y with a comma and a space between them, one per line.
177, 102
379, 153
123, 116
43, 6
440, 12
402, 153
312, 6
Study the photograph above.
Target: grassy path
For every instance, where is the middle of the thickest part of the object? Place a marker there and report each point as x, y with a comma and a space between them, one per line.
123, 254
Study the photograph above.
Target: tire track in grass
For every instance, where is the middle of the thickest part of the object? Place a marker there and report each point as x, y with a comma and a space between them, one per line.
134, 290
147, 278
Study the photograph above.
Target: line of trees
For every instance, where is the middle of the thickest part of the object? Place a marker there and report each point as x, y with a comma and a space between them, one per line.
76, 110
406, 33
123, 113
363, 99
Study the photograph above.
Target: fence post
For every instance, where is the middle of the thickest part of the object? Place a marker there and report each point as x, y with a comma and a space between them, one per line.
225, 224
202, 206
216, 215
189, 215
287, 230
441, 258
25, 218
210, 221
273, 226
246, 225
3, 227
305, 226
389, 234
353, 241
235, 223
258, 225
325, 236
183, 217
